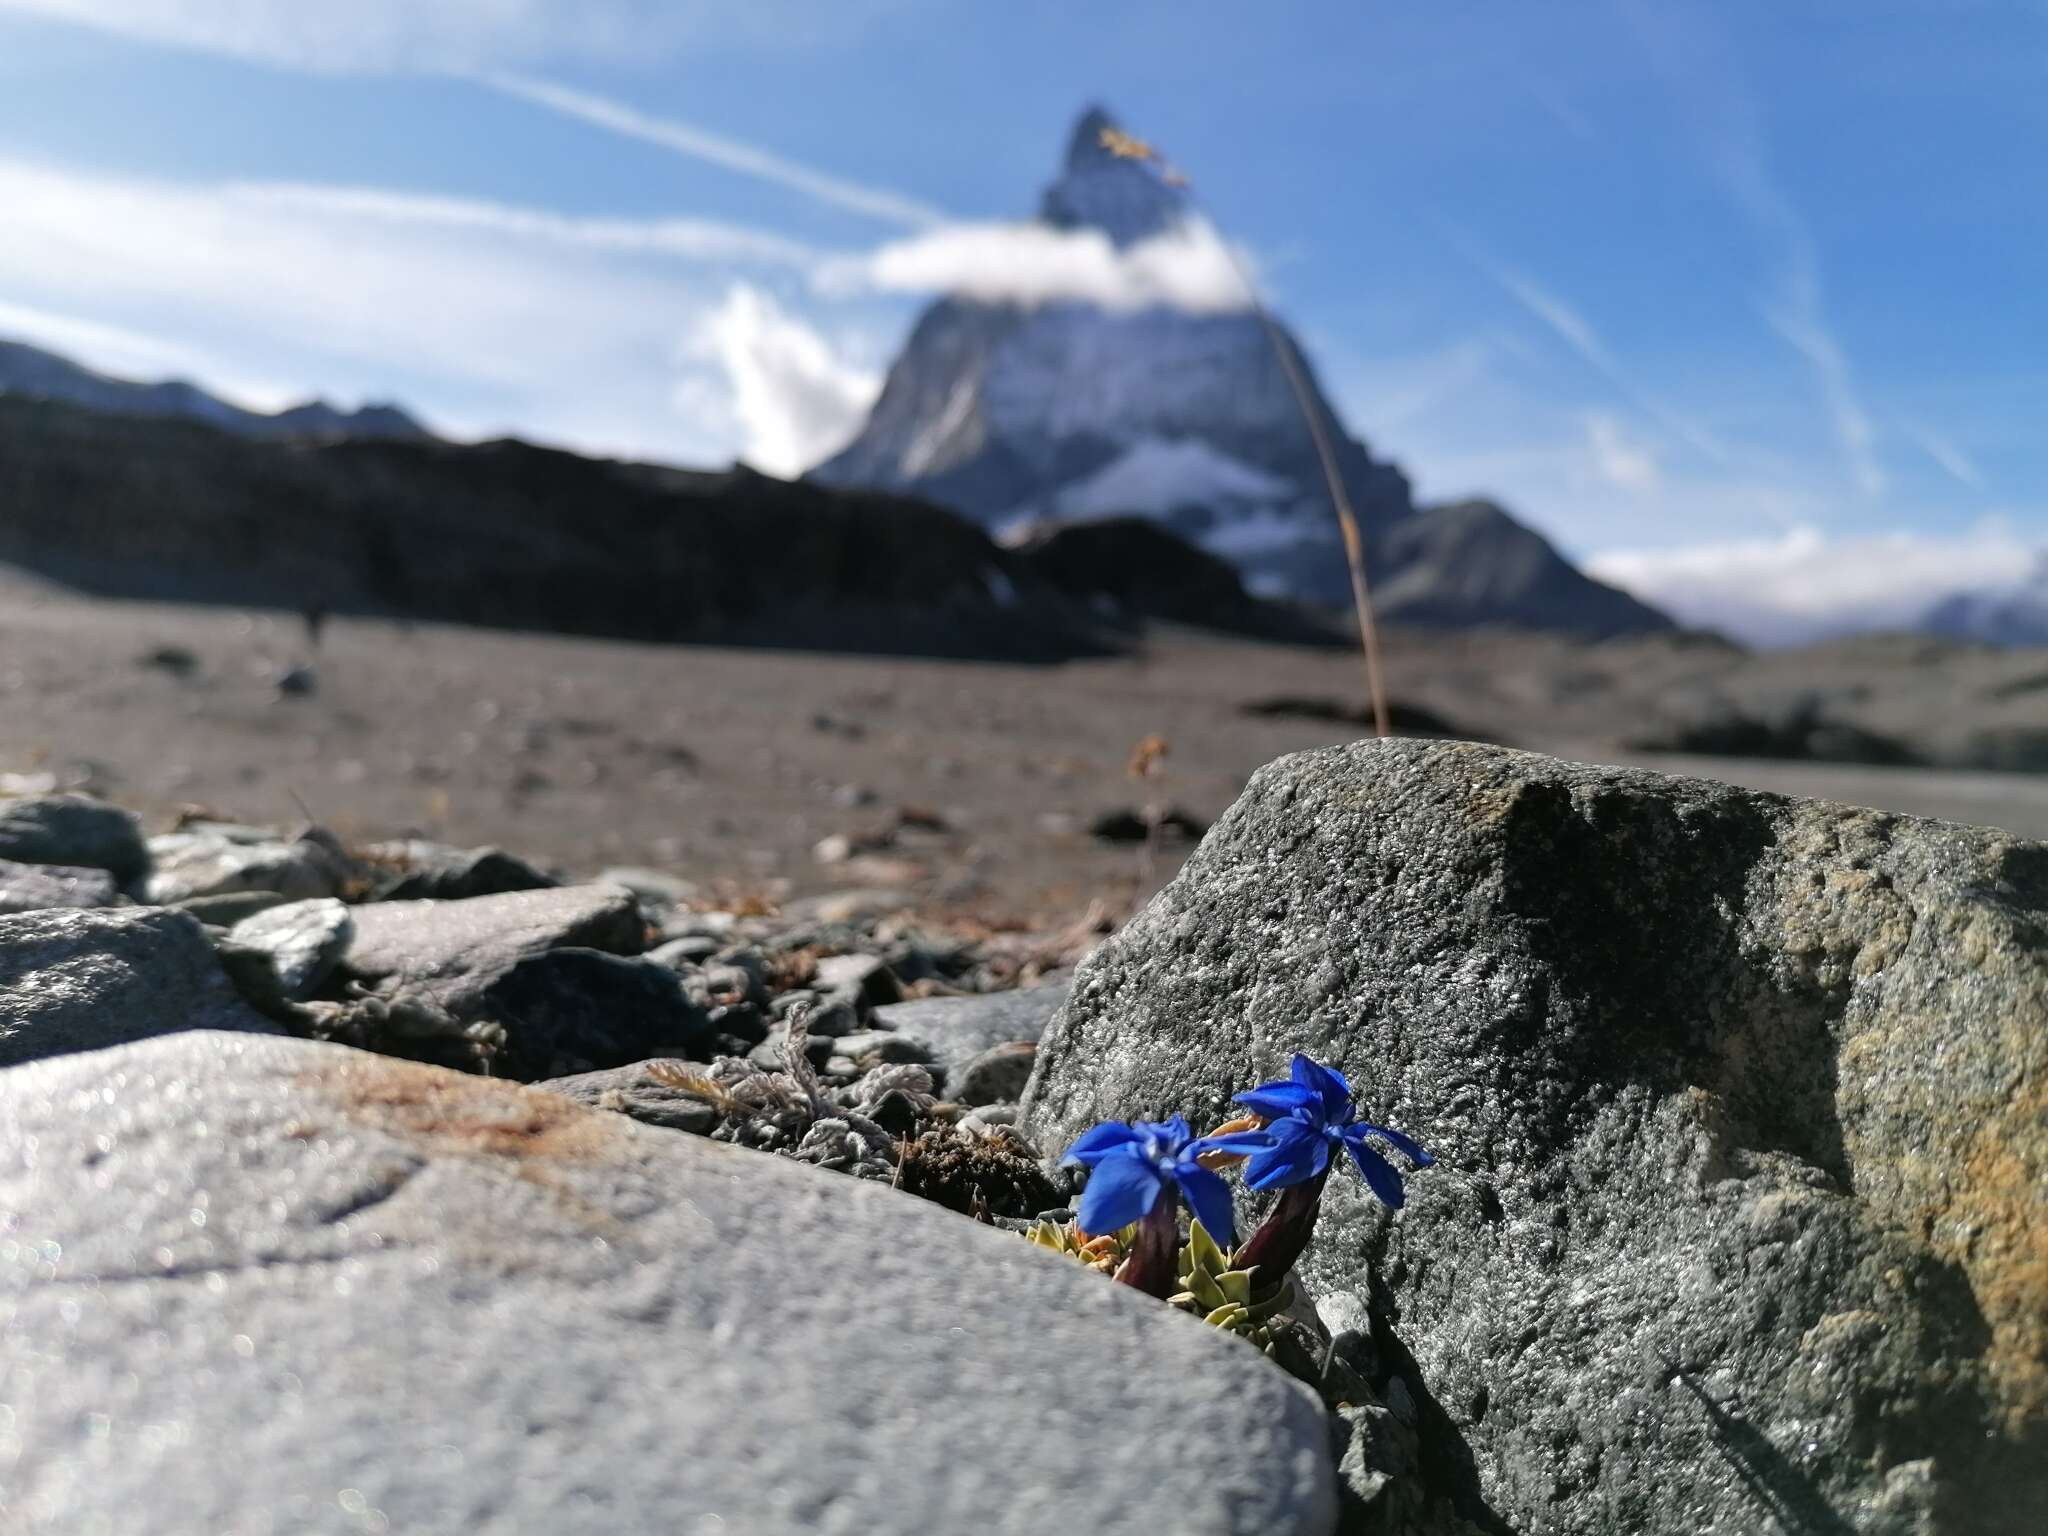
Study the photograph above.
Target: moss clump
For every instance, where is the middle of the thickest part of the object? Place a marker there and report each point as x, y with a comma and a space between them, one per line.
980, 1176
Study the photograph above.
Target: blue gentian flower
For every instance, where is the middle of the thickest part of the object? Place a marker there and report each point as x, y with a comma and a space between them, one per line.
1133, 1167
1307, 1118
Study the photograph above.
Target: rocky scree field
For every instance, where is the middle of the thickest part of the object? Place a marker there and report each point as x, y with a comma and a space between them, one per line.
1735, 1218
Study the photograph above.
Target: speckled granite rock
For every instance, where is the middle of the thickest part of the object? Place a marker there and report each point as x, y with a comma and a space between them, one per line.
77, 981
1741, 1218
269, 1285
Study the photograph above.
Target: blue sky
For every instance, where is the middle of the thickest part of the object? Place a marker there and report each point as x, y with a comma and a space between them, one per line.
1741, 302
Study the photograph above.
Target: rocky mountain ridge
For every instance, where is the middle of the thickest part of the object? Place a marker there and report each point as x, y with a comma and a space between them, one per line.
32, 373
1017, 415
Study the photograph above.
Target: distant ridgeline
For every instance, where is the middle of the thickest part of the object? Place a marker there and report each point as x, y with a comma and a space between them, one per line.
156, 505
34, 374
1017, 415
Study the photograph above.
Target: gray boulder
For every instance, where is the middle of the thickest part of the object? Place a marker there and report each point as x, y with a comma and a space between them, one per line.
218, 859
291, 950
958, 1029
38, 887
77, 981
74, 830
421, 1301
1741, 1111
456, 946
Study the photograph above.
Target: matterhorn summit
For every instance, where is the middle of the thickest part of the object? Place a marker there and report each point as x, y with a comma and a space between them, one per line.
1019, 413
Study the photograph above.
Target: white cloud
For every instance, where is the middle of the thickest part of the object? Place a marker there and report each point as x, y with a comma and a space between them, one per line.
1578, 334
1958, 465
701, 240
1619, 459
795, 397
455, 34
484, 323
1036, 264
700, 144
1805, 584
1708, 89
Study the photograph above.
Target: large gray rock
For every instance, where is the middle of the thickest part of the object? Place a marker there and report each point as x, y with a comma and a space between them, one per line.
958, 1029
257, 1285
74, 830
476, 939
38, 887
77, 981
1741, 1105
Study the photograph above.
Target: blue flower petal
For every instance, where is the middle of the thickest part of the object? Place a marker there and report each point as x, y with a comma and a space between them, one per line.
1378, 1172
1276, 1099
1093, 1145
1331, 1088
1209, 1197
1298, 1153
1123, 1187
1407, 1146
1175, 1133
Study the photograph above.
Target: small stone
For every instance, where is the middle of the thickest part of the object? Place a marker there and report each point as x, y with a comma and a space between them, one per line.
686, 953
75, 831
629, 1091
960, 1028
415, 870
77, 981
37, 887
229, 908
297, 945
996, 1076
863, 980
835, 849
480, 937
215, 858
573, 1010
882, 1047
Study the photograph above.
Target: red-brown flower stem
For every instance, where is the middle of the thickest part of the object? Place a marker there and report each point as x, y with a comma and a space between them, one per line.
1152, 1266
1283, 1236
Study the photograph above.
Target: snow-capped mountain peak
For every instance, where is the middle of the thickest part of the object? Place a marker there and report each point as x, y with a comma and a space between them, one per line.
1126, 199
1018, 414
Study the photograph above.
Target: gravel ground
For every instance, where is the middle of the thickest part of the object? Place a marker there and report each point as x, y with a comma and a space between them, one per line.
963, 785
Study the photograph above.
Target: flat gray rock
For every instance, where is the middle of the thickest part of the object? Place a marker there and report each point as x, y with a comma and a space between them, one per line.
299, 944
38, 887
217, 859
482, 936
958, 1029
77, 981
631, 1092
1741, 1111
996, 1076
413, 869
73, 830
270, 1285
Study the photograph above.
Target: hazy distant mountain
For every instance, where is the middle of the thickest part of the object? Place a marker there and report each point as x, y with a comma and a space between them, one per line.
1018, 415
36, 374
2014, 615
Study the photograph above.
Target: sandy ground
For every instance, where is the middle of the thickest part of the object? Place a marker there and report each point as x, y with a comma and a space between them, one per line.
730, 767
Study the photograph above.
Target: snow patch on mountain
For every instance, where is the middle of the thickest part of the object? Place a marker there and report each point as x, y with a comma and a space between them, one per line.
1157, 475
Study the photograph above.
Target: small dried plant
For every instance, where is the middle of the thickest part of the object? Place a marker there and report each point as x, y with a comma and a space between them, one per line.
1128, 147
